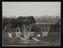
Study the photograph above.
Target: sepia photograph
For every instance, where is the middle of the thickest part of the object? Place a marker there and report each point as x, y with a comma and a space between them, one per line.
31, 24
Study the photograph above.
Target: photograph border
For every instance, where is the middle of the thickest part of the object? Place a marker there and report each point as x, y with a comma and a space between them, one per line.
27, 45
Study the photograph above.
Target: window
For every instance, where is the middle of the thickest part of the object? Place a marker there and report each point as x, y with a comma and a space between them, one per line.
17, 30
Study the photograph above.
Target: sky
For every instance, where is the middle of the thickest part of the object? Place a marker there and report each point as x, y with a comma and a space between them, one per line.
11, 9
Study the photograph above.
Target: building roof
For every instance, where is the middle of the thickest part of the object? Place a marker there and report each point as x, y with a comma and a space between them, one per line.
47, 20
20, 21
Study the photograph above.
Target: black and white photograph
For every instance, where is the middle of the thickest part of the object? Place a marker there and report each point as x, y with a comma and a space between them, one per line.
31, 24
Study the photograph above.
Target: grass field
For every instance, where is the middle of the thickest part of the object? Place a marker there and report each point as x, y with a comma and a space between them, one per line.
53, 39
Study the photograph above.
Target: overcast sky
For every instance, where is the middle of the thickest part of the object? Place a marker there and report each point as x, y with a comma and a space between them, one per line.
31, 8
